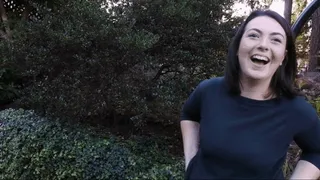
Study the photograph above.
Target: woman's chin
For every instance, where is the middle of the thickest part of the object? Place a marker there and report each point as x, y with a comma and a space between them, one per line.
256, 76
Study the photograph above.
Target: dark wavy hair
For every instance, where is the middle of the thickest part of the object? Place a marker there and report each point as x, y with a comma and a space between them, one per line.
283, 81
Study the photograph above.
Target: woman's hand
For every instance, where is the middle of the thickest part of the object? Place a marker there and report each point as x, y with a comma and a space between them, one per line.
305, 170
190, 137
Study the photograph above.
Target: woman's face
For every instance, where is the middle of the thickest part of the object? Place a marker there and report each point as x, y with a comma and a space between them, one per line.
262, 48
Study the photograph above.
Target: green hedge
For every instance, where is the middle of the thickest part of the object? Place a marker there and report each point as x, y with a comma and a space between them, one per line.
33, 147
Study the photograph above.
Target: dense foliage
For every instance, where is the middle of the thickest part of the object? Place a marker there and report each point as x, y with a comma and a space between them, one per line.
136, 63
33, 147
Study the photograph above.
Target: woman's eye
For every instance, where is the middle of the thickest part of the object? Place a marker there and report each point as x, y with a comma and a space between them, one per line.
277, 40
253, 35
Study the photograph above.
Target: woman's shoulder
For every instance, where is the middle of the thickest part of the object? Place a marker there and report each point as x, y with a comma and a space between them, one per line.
302, 110
302, 105
210, 83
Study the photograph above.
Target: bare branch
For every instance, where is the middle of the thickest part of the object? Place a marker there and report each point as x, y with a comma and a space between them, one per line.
159, 73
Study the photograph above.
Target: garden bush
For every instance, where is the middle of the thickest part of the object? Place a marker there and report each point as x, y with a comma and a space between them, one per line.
33, 147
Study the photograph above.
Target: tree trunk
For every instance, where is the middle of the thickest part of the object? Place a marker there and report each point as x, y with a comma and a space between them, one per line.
7, 33
26, 12
288, 10
314, 57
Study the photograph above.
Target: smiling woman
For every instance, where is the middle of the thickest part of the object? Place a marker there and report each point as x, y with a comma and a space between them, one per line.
240, 126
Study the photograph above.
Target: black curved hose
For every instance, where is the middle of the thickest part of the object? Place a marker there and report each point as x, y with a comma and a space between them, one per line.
304, 17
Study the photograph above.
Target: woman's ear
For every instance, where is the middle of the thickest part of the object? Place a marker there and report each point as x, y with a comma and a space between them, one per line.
284, 58
285, 55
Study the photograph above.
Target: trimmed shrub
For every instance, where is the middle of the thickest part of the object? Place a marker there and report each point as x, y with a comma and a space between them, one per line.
33, 147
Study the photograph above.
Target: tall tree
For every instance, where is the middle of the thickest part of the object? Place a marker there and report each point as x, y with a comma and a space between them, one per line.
133, 63
315, 42
288, 10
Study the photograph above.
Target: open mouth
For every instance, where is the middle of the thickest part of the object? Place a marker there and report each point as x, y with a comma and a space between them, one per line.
261, 60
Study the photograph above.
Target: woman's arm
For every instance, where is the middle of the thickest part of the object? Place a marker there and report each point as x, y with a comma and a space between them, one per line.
305, 170
190, 122
190, 137
308, 139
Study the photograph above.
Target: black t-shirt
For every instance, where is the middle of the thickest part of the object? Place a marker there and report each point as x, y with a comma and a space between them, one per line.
246, 138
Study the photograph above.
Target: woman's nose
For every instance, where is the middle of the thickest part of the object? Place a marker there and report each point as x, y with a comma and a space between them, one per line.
263, 45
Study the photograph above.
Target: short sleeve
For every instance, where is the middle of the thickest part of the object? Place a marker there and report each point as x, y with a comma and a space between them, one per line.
309, 141
192, 106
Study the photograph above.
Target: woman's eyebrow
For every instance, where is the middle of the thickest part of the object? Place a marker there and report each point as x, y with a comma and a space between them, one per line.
273, 33
277, 33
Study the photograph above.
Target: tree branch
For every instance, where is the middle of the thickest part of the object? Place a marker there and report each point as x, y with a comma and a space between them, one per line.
159, 73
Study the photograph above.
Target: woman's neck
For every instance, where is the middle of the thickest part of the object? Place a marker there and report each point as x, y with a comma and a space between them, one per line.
255, 89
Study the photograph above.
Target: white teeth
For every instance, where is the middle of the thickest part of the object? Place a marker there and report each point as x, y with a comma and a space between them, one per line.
263, 58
